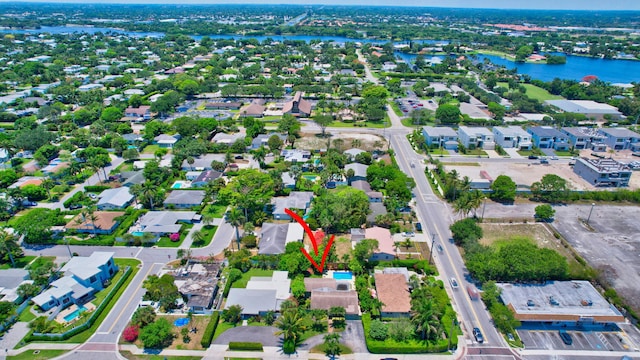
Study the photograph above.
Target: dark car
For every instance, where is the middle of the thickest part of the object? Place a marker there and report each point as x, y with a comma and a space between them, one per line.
418, 227
478, 335
533, 157
566, 338
75, 206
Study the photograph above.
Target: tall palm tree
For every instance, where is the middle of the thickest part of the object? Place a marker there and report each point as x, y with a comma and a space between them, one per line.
425, 317
8, 244
235, 218
259, 155
148, 191
198, 236
291, 325
48, 184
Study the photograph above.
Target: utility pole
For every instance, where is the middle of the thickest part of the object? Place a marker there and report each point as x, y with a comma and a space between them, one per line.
590, 212
433, 240
484, 205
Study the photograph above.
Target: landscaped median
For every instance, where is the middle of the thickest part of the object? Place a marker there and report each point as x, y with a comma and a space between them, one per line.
104, 300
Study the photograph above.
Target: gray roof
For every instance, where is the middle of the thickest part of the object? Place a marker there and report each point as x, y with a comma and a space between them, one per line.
203, 162
353, 152
547, 131
358, 169
117, 197
208, 175
132, 137
133, 177
185, 197
273, 238
361, 185
475, 130
11, 278
159, 218
295, 200
583, 107
253, 301
619, 132
439, 131
86, 266
397, 270
376, 208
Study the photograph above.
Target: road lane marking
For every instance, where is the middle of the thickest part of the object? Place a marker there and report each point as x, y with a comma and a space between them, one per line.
130, 299
440, 237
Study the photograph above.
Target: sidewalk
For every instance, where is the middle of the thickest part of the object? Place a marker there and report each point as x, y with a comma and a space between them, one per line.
188, 240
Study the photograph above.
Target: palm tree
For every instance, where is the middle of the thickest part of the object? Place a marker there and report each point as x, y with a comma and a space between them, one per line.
235, 218
93, 218
407, 243
8, 244
291, 325
48, 184
425, 317
295, 172
190, 161
148, 191
259, 217
355, 143
259, 155
332, 345
207, 219
198, 237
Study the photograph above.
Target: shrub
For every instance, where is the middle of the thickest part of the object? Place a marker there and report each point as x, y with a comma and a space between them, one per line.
130, 334
245, 346
174, 237
157, 334
289, 346
96, 188
378, 330
143, 316
249, 241
207, 337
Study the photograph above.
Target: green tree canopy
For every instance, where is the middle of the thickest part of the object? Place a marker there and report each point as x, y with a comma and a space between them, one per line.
504, 189
448, 114
341, 210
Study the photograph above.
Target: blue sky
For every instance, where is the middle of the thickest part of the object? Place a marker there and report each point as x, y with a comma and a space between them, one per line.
500, 4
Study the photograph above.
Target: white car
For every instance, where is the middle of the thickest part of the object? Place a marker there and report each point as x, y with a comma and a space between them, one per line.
454, 283
408, 234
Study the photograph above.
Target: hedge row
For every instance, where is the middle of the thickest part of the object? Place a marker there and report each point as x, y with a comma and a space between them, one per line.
96, 188
390, 347
245, 346
75, 199
128, 222
207, 337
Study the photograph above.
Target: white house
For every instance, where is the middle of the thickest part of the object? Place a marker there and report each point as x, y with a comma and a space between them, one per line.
476, 138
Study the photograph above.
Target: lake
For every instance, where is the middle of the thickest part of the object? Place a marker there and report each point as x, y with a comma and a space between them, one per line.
614, 71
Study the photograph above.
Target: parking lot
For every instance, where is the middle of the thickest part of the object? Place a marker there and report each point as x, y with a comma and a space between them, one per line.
582, 340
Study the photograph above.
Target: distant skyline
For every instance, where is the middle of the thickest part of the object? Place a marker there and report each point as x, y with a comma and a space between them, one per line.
483, 4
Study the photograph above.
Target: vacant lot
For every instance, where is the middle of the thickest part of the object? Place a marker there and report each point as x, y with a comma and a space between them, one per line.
366, 142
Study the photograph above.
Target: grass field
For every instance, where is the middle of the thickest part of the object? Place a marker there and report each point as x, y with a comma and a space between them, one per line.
319, 349
535, 92
26, 315
20, 262
37, 355
368, 124
242, 282
208, 232
150, 149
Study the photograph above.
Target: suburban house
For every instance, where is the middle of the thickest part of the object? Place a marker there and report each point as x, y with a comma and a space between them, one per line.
263, 139
300, 200
327, 293
198, 284
374, 196
114, 199
295, 155
205, 177
603, 172
512, 137
444, 137
298, 106
165, 222
227, 139
202, 162
375, 209
546, 137
184, 199
476, 138
10, 280
589, 108
83, 276
130, 178
288, 181
142, 113
393, 292
620, 138
133, 139
100, 222
359, 171
262, 294
385, 250
275, 237
584, 138
166, 141
254, 109
352, 153
568, 303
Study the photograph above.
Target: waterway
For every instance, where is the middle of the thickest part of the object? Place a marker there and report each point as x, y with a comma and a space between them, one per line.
576, 67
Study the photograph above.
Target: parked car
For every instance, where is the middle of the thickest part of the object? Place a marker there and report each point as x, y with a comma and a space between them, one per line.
418, 227
408, 234
566, 338
75, 206
533, 157
478, 335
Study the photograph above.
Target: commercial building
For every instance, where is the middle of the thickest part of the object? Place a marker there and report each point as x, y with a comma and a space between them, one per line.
590, 109
572, 303
603, 172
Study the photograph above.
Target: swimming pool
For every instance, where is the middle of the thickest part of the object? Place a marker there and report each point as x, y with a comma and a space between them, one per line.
181, 322
137, 233
181, 185
310, 177
72, 316
342, 275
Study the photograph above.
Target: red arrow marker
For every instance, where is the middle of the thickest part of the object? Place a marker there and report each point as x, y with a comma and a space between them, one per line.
314, 242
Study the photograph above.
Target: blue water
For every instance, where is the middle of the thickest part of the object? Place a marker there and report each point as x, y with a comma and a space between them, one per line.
615, 71
342, 275
176, 186
181, 322
75, 314
137, 233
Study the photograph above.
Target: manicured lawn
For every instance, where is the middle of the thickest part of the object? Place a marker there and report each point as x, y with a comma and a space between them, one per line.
38, 355
166, 242
26, 315
368, 124
396, 109
530, 152
536, 93
222, 327
217, 211
319, 349
476, 152
563, 153
208, 232
20, 262
150, 149
242, 282
408, 122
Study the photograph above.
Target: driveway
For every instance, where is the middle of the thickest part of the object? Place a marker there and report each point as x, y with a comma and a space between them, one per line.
262, 334
353, 336
513, 153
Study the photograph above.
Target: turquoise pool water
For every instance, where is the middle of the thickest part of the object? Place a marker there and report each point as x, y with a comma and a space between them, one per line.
310, 177
137, 233
342, 275
75, 314
176, 185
